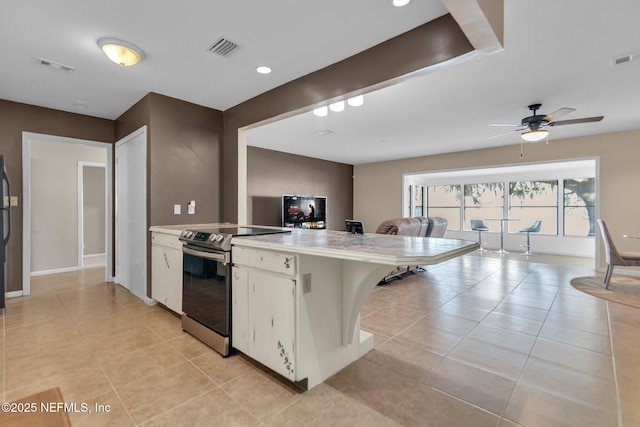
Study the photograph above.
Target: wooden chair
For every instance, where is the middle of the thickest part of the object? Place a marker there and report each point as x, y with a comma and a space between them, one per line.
615, 257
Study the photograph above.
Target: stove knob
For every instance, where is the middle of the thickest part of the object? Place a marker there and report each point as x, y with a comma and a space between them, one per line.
212, 237
219, 238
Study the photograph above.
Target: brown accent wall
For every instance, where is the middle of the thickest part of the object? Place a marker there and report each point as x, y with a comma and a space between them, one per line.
382, 65
272, 174
378, 186
183, 160
16, 118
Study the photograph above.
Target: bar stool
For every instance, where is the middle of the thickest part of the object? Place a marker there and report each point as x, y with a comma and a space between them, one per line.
479, 226
535, 228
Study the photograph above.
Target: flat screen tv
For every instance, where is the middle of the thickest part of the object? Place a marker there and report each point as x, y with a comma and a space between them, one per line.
304, 211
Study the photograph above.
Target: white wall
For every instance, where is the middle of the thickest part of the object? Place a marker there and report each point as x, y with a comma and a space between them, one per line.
54, 202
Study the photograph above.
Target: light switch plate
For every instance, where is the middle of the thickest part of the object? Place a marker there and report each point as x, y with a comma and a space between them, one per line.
177, 209
14, 201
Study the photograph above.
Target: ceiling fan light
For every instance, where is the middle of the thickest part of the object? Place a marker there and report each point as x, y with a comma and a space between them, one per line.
534, 135
122, 53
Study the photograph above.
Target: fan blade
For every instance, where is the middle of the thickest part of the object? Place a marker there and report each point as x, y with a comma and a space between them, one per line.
558, 113
505, 133
577, 121
503, 124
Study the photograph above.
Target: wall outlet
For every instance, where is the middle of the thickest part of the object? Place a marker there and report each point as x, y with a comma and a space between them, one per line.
306, 283
191, 207
177, 209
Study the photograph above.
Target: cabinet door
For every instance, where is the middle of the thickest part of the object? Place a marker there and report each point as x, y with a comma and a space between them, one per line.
240, 309
173, 263
272, 317
158, 280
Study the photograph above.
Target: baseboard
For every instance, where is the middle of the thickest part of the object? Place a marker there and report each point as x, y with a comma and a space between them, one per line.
54, 271
93, 255
13, 294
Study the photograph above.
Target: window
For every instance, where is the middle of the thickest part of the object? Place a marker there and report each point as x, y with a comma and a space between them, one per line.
534, 200
482, 201
579, 206
444, 201
418, 200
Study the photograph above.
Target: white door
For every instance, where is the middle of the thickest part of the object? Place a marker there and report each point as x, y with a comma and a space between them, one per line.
131, 212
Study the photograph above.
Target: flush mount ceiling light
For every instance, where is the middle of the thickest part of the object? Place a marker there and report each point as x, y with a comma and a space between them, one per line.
534, 135
401, 3
263, 69
122, 53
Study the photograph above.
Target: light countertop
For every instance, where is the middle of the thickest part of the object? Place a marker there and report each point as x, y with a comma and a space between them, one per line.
378, 248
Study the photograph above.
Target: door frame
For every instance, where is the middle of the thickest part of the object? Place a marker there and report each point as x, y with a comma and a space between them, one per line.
26, 200
81, 165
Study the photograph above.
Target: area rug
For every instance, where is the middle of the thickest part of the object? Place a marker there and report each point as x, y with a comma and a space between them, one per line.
622, 289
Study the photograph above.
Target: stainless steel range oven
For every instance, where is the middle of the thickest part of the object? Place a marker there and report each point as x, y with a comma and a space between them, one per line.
206, 282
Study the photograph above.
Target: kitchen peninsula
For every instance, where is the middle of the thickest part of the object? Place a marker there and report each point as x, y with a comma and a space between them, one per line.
297, 297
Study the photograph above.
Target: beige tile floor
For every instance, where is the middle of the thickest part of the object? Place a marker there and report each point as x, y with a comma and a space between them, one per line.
480, 340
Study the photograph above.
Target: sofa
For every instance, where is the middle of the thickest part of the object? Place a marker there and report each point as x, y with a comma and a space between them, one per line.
419, 226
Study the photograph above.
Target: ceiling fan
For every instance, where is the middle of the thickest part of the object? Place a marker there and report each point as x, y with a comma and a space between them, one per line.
534, 125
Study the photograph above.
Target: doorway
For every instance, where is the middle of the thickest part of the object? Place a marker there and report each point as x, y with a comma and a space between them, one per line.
92, 202
50, 235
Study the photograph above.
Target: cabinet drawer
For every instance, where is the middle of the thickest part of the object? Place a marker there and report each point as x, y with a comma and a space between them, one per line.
265, 260
168, 240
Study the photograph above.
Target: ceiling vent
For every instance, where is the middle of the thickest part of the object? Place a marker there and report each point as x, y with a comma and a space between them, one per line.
222, 47
56, 65
619, 60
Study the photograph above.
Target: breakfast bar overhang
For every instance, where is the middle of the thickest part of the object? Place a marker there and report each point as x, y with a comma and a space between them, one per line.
330, 275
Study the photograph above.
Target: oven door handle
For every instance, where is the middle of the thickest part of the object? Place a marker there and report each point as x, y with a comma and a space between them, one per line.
223, 257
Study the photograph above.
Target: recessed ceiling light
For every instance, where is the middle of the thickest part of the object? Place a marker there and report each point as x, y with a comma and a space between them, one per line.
80, 104
263, 69
324, 132
401, 3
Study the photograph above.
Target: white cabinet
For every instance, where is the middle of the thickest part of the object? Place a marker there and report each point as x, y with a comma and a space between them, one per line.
263, 310
166, 270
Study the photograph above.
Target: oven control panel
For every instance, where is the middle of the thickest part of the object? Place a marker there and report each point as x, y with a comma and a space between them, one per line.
201, 237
